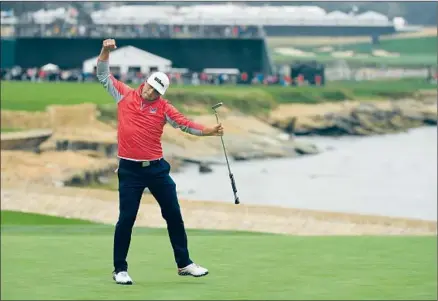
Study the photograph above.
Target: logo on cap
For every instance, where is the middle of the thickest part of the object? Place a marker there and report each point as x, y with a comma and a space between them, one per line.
159, 81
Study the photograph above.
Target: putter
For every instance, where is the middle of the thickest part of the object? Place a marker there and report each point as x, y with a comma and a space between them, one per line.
233, 184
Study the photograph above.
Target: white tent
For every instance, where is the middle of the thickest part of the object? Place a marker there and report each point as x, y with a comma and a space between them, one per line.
50, 67
373, 16
125, 57
338, 15
399, 22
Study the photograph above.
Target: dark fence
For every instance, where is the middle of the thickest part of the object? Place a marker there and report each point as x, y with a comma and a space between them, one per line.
7, 53
247, 55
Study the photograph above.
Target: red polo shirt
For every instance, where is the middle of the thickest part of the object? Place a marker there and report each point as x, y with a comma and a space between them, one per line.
141, 122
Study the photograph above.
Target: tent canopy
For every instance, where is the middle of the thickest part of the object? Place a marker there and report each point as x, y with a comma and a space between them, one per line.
131, 57
338, 15
50, 67
372, 15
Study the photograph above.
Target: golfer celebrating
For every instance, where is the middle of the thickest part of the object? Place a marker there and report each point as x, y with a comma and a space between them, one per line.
142, 114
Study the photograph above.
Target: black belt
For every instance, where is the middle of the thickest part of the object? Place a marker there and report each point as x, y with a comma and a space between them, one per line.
141, 163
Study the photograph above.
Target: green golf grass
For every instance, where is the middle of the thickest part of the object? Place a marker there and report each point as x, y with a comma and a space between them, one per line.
9, 130
51, 258
404, 60
250, 99
414, 51
407, 46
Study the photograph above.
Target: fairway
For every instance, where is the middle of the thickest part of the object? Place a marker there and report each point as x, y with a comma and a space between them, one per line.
51, 258
406, 46
30, 96
415, 51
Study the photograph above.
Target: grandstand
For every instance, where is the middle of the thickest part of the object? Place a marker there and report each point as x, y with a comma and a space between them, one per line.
207, 36
214, 20
233, 14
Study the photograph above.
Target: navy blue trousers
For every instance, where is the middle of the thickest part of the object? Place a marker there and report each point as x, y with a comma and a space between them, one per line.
133, 179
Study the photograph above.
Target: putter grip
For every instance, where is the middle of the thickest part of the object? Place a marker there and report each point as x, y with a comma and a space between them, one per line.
233, 184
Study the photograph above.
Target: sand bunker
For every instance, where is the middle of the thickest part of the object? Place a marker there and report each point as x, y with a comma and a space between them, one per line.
294, 52
348, 53
384, 53
325, 49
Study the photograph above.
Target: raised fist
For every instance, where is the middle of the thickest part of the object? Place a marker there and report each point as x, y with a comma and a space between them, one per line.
109, 44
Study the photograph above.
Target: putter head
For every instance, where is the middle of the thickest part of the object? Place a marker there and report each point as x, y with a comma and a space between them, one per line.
236, 201
217, 105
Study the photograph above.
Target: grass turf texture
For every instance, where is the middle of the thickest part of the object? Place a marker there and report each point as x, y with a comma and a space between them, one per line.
10, 130
405, 46
249, 99
414, 51
52, 258
413, 61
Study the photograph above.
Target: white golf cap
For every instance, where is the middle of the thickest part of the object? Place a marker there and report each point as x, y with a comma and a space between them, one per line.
159, 81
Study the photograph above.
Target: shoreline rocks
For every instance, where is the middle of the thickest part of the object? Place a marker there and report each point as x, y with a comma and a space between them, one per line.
25, 140
363, 119
247, 137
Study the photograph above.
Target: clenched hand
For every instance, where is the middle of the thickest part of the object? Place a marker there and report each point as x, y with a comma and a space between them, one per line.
109, 44
216, 130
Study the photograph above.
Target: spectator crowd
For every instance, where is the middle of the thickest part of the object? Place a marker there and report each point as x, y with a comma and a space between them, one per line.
134, 77
77, 22
61, 29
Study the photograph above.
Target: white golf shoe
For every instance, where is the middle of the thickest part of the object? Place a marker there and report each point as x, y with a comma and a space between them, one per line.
122, 278
193, 270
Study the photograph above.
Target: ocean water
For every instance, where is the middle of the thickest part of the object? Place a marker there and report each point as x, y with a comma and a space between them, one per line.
390, 175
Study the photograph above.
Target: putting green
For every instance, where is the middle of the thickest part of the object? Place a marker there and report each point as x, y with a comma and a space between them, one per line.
53, 258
